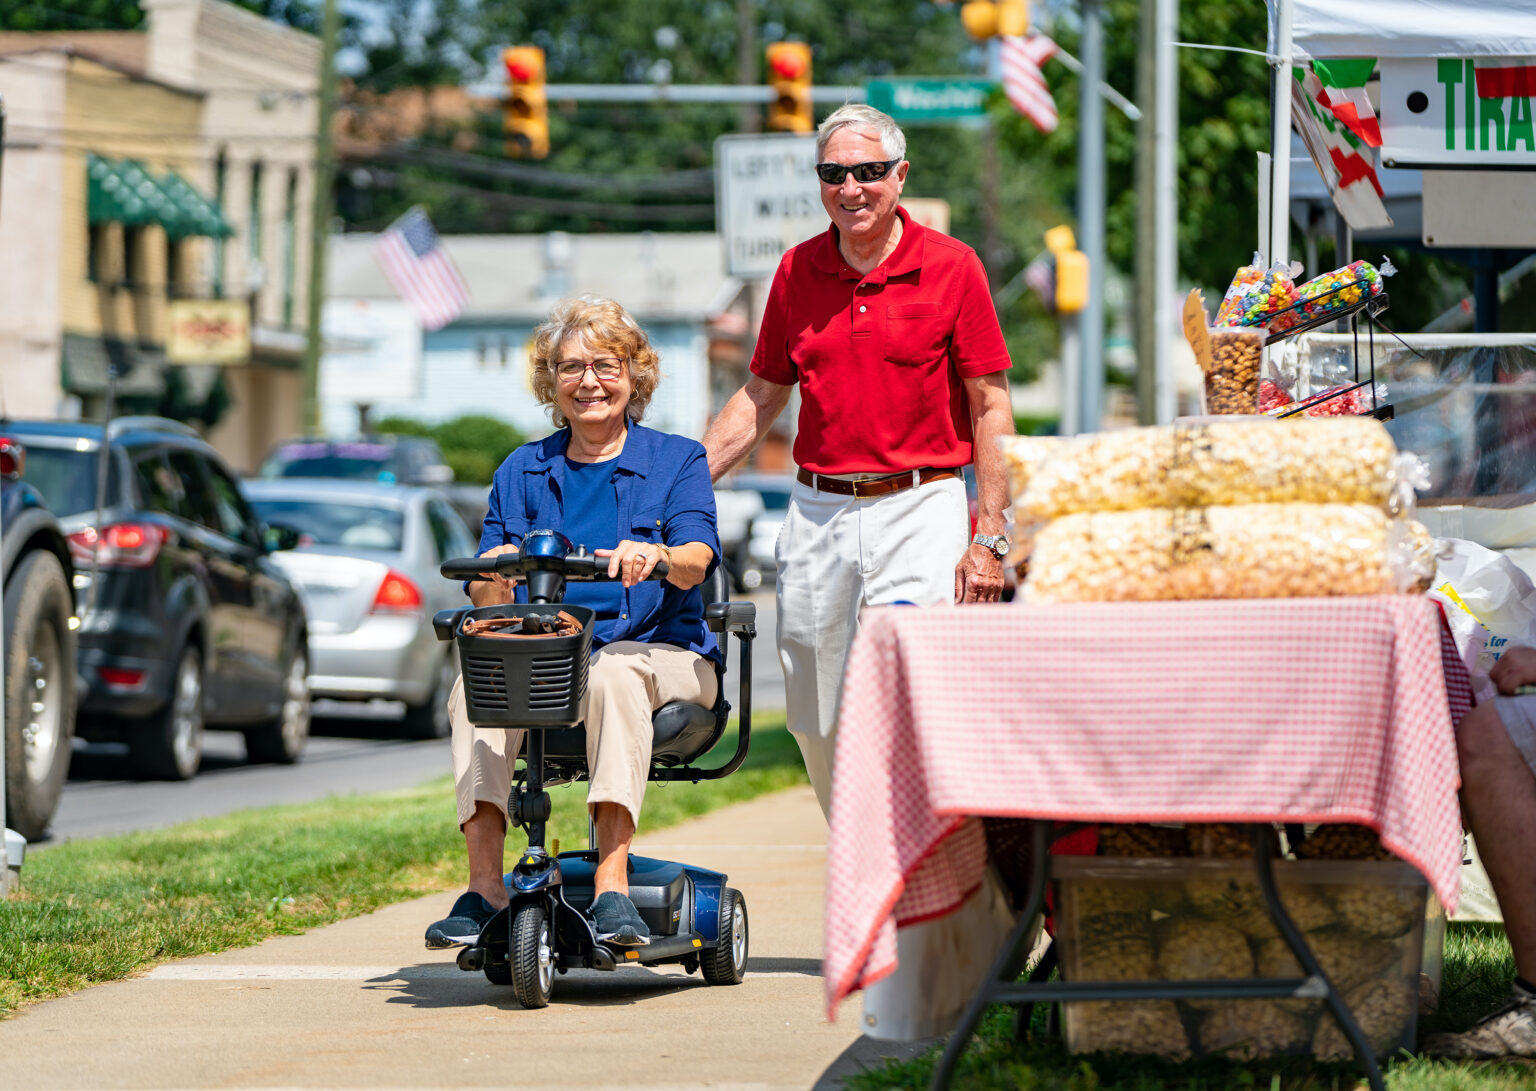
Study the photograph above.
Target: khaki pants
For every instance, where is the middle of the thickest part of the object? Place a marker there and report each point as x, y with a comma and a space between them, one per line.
628, 681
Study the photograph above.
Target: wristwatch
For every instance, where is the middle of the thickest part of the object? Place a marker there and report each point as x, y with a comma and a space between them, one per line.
997, 543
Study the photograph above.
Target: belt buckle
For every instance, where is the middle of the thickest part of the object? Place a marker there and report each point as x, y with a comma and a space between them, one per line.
856, 485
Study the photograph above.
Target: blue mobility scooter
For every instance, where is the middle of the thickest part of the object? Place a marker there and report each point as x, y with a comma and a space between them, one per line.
537, 683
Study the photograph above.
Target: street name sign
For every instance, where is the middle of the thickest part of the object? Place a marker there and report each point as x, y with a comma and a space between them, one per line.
945, 99
767, 199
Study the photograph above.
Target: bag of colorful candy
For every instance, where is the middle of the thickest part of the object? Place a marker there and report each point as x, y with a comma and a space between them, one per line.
1342, 288
1257, 297
1343, 400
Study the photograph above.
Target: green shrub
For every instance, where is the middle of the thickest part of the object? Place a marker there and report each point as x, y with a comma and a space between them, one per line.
473, 444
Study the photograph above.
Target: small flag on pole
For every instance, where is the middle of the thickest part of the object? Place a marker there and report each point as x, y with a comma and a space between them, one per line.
412, 256
1024, 83
1342, 158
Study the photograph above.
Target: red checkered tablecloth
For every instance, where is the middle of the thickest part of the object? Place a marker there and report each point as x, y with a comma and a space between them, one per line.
1301, 710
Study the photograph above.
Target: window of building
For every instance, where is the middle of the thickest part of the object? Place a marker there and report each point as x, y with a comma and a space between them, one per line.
290, 245
96, 268
220, 171
133, 256
254, 225
176, 286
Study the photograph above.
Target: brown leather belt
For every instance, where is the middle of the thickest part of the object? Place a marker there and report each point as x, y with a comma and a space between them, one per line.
878, 486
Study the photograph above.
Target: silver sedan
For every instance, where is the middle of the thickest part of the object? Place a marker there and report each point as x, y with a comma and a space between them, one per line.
366, 565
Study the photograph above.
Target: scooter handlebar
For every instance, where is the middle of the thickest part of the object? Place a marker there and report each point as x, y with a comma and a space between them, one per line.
574, 566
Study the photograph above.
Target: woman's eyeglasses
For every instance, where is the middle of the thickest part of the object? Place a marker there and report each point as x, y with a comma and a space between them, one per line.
606, 368
834, 173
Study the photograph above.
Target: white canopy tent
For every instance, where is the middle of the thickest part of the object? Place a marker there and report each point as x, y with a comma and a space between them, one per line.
1412, 28
1408, 32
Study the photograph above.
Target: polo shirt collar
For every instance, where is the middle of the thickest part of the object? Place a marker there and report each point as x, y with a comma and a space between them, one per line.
907, 257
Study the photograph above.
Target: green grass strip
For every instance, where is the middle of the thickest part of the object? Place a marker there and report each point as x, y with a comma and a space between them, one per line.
1478, 970
98, 910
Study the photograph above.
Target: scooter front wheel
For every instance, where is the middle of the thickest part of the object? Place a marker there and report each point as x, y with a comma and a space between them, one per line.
532, 956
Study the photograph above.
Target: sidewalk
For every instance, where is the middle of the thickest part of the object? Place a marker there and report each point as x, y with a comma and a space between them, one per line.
363, 1004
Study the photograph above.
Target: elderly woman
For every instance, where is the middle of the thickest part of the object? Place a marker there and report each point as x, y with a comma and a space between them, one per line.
636, 497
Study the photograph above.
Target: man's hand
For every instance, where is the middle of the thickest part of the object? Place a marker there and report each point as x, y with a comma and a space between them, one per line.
978, 576
1515, 668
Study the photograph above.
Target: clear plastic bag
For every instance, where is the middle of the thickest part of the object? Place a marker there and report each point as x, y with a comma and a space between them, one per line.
1262, 298
1341, 288
1349, 460
1242, 551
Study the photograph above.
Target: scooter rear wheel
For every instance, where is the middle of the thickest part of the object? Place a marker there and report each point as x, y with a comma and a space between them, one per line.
532, 956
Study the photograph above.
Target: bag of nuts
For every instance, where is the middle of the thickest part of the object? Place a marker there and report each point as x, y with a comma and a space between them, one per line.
1232, 374
1341, 461
1240, 551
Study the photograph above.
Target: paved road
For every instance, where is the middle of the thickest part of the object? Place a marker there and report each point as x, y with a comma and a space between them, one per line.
347, 755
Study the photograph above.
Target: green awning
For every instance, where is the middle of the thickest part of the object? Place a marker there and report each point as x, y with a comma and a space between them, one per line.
124, 191
198, 215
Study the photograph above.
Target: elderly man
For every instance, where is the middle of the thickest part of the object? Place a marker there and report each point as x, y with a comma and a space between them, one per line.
890, 332
1496, 743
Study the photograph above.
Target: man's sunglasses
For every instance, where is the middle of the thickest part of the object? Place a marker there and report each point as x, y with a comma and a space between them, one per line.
834, 173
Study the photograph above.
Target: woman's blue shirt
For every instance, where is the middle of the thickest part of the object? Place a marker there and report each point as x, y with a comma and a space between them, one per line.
662, 494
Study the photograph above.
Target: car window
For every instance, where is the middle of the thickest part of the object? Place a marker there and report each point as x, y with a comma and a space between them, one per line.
160, 488
442, 531
66, 478
357, 461
198, 503
327, 523
235, 517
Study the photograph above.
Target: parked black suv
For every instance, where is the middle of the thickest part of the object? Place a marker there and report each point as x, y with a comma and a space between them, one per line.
396, 460
184, 619
39, 660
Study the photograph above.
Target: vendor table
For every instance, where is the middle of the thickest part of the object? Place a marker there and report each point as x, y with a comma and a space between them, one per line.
1257, 711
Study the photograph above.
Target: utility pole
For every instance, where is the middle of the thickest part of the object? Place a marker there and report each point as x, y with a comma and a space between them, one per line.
746, 62
1165, 123
1145, 292
1090, 215
320, 222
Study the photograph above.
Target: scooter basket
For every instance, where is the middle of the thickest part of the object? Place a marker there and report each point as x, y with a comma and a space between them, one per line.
525, 681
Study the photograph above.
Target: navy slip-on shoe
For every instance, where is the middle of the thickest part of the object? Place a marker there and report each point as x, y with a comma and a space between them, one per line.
616, 920
463, 924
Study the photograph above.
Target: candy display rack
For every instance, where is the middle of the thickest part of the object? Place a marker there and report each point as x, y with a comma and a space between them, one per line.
1370, 307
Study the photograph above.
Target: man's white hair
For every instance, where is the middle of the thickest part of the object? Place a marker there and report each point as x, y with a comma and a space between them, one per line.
856, 115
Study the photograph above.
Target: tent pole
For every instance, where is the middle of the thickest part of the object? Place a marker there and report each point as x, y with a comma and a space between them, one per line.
1280, 144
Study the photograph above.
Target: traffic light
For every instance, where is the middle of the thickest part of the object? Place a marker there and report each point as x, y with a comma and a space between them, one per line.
789, 74
984, 19
1071, 270
525, 119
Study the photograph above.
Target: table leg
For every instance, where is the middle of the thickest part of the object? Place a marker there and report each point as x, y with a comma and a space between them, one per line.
1006, 966
1263, 859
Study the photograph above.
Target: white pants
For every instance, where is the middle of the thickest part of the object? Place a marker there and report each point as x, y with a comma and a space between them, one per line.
837, 555
627, 681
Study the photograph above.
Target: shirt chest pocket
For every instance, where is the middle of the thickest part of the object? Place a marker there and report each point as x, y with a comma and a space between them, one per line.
647, 525
916, 333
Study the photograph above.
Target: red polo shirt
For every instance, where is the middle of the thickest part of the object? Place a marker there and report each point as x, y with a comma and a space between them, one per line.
880, 357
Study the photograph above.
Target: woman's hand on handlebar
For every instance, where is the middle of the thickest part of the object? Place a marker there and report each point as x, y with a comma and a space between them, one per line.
498, 589
631, 561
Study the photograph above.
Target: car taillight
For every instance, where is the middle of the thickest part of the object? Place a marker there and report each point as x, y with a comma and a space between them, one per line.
13, 458
125, 545
397, 594
120, 676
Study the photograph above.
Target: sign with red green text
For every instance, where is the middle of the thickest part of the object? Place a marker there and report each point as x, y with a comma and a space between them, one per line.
1448, 112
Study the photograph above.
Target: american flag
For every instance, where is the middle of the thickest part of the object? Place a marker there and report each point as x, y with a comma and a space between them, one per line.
421, 271
1023, 82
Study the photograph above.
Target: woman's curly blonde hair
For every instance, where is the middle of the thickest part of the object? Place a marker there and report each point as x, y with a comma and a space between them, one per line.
602, 326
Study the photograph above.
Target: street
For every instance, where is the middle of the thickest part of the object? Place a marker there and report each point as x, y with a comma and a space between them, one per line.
351, 754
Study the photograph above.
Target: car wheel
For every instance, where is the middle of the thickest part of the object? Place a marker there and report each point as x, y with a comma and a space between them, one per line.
429, 720
169, 744
39, 692
282, 740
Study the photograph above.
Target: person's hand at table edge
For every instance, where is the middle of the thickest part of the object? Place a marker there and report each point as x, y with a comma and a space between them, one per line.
978, 576
1515, 668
